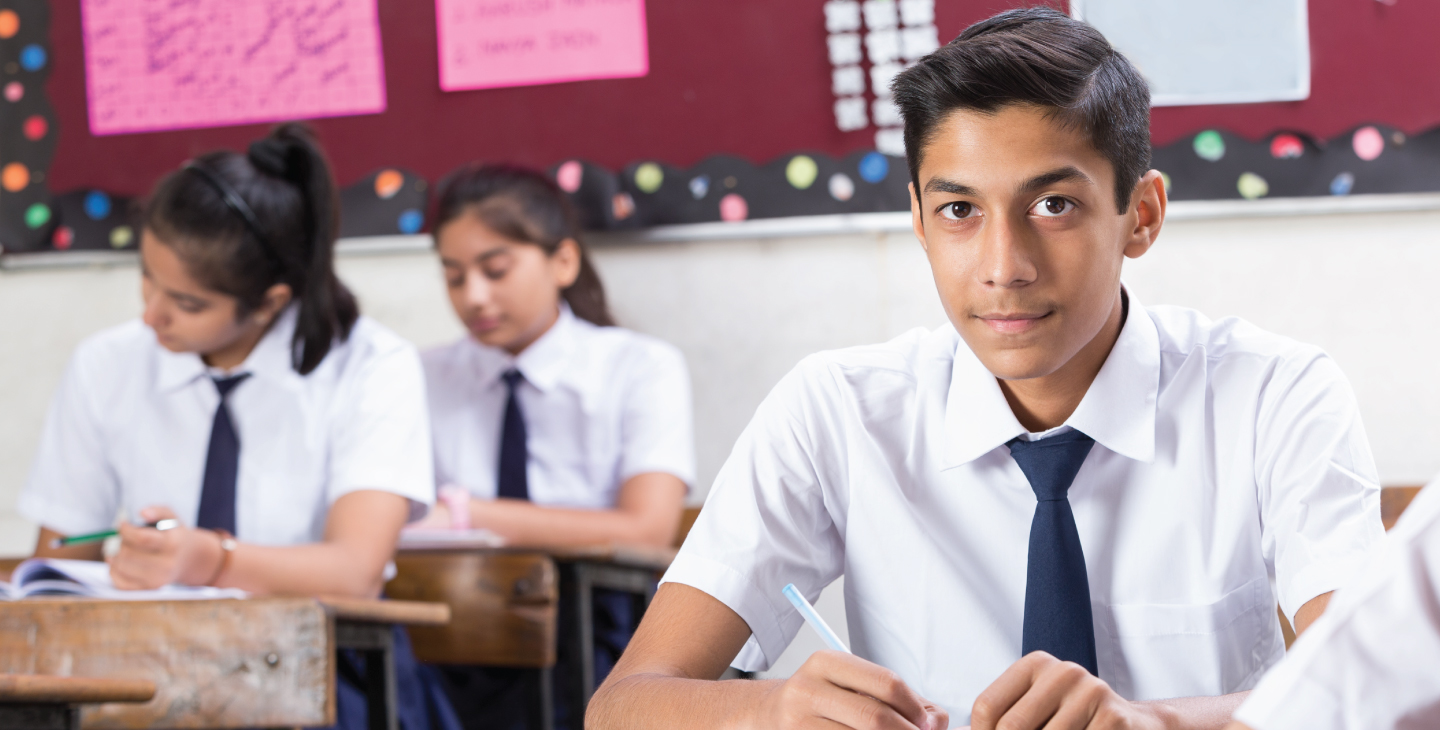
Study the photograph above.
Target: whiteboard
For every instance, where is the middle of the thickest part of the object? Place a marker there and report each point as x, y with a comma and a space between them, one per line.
1210, 51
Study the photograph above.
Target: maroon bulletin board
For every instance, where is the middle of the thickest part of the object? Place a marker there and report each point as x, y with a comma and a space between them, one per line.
748, 78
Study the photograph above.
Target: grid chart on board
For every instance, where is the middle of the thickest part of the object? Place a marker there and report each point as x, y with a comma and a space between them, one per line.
174, 64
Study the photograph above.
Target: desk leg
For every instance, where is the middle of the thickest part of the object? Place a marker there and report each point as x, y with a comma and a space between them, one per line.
380, 690
376, 642
39, 716
578, 619
578, 581
542, 701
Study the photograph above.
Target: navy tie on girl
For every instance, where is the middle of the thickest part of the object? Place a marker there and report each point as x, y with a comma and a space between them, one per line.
513, 482
222, 464
1057, 589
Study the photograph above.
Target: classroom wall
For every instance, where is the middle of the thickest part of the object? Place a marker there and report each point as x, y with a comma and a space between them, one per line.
745, 310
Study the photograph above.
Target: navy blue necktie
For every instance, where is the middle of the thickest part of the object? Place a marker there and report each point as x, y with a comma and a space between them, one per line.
1057, 591
512, 481
222, 465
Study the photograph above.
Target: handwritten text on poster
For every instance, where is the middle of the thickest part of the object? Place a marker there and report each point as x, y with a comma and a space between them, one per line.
174, 64
490, 43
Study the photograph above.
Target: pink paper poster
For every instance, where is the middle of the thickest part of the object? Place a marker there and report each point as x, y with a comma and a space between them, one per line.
174, 64
490, 43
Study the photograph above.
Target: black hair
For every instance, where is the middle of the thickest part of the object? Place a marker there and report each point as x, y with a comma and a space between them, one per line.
1037, 56
524, 206
243, 223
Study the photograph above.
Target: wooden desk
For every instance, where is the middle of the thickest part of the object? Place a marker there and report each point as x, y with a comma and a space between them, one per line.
259, 662
45, 702
489, 602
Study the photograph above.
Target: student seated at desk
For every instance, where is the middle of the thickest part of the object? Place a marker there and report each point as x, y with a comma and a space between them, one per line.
559, 428
1063, 509
1372, 662
287, 433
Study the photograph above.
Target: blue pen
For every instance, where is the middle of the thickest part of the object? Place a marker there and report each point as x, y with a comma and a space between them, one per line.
813, 618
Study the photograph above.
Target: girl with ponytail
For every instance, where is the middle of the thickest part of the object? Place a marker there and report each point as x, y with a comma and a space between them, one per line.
252, 430
552, 426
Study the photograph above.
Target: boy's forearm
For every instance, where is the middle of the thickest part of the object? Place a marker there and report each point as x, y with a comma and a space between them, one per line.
661, 701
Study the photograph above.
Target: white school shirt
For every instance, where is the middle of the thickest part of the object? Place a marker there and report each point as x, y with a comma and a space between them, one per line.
130, 427
601, 405
1225, 458
1372, 660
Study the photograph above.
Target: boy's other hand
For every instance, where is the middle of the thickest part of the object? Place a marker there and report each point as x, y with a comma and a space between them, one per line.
1040, 691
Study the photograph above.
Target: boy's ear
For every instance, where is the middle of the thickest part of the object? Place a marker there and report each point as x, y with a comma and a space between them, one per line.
1149, 199
917, 221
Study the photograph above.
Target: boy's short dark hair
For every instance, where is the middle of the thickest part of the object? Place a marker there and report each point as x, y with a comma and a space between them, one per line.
1036, 56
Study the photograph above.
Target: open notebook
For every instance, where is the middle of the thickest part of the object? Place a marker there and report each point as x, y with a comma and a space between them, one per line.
58, 577
415, 538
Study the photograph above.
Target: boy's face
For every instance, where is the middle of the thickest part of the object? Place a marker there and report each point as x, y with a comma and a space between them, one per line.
1017, 216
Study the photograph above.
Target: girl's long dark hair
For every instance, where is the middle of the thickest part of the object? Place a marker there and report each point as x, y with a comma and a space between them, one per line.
525, 206
285, 182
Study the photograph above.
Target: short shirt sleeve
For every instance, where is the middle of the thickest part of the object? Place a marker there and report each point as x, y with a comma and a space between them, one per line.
1370, 661
1318, 487
658, 433
766, 523
72, 488
381, 433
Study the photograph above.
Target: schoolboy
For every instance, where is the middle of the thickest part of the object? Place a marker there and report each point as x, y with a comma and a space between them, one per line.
1062, 510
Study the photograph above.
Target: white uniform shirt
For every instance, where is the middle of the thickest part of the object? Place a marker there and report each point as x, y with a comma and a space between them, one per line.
130, 428
1225, 457
1372, 660
601, 405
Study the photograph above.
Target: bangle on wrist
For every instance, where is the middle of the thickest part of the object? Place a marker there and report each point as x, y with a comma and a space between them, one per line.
227, 546
457, 501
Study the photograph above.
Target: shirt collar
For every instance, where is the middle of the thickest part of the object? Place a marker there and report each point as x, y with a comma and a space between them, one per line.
542, 363
271, 358
1118, 410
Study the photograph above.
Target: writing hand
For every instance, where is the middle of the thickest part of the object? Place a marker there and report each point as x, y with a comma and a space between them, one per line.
837, 690
150, 558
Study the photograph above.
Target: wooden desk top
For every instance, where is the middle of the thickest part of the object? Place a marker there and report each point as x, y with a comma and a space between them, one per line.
410, 613
75, 690
261, 662
630, 556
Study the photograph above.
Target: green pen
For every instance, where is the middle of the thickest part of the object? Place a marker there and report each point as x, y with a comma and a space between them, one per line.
98, 536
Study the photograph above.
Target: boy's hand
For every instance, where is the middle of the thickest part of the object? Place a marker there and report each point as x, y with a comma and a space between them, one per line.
1040, 691
837, 690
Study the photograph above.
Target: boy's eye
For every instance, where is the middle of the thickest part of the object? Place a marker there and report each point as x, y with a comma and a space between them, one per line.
958, 210
1053, 206
497, 272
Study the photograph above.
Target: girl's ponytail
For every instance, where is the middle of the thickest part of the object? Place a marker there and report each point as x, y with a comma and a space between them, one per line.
282, 229
327, 309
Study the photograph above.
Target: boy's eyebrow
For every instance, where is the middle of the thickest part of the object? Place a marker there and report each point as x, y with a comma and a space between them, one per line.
941, 185
1068, 173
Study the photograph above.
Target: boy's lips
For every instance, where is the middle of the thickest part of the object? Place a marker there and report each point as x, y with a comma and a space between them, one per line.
1010, 324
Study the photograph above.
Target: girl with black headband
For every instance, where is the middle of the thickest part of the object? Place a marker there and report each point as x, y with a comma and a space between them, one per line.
286, 433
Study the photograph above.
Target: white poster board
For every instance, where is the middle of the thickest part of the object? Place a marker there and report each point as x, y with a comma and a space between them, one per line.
1210, 51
